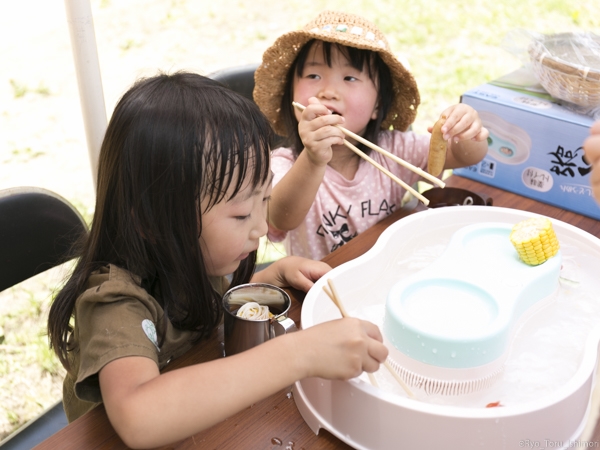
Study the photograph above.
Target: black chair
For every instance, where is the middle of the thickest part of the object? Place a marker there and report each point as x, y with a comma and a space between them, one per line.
238, 78
241, 80
37, 231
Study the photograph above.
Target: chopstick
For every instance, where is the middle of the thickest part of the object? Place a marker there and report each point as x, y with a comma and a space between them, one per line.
335, 298
400, 161
387, 172
375, 163
384, 152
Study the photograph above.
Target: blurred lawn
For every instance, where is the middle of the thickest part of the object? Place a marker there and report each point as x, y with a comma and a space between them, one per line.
455, 46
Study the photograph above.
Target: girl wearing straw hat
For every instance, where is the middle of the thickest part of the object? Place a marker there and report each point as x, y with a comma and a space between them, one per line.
341, 68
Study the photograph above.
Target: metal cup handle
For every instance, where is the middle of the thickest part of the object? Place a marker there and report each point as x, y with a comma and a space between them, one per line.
281, 325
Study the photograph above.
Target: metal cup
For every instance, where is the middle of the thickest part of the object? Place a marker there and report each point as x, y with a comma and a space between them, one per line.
242, 334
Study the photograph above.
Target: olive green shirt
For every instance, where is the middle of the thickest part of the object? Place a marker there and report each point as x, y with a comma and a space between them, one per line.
115, 318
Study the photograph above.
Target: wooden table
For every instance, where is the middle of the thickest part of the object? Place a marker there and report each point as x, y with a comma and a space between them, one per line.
275, 422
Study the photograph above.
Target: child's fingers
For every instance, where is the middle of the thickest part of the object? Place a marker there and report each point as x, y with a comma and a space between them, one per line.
347, 348
322, 142
312, 121
330, 120
482, 135
319, 134
304, 272
475, 132
313, 111
372, 331
591, 146
316, 109
377, 354
462, 123
314, 101
595, 182
464, 129
453, 117
324, 132
595, 177
454, 126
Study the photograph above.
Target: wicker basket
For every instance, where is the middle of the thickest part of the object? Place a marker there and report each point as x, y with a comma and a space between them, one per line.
568, 66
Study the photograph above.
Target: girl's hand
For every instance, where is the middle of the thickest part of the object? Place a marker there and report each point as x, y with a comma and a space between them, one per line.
466, 136
591, 146
462, 123
292, 271
340, 349
318, 131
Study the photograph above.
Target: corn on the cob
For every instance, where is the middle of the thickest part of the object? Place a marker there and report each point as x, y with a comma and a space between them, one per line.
535, 240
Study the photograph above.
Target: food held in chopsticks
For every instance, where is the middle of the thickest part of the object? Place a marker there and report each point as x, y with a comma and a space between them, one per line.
384, 152
254, 311
535, 240
437, 149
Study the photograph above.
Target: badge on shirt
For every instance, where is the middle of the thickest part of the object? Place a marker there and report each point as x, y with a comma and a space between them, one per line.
150, 330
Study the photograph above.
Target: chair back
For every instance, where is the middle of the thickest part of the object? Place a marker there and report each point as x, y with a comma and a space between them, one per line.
241, 80
237, 78
37, 231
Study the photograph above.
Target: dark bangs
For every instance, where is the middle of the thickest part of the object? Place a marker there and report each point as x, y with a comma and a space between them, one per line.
233, 152
359, 59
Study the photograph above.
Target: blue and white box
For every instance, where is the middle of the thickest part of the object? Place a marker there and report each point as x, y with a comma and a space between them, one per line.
535, 148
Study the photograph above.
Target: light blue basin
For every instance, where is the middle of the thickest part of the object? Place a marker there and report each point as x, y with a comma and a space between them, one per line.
462, 310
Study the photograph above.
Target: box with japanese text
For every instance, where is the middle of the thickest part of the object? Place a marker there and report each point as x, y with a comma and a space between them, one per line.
534, 148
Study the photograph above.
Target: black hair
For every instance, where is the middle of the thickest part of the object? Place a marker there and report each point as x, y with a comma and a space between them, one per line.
360, 59
171, 141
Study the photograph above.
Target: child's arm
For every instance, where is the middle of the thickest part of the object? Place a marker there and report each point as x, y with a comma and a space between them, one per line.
466, 137
292, 271
149, 409
591, 146
293, 196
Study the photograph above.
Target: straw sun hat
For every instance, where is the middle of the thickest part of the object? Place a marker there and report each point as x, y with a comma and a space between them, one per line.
342, 28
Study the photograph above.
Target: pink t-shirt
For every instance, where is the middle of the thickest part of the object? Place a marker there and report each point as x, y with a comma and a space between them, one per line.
344, 208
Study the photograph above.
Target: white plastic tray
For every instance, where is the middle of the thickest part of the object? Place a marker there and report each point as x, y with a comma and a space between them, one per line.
367, 417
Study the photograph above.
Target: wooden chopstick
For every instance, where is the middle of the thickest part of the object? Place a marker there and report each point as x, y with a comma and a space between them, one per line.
400, 161
384, 152
387, 172
335, 298
375, 163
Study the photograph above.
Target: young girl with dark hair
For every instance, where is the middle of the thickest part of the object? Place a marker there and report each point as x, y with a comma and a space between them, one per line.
341, 68
184, 182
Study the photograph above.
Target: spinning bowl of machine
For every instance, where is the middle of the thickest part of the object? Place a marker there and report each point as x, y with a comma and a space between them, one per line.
498, 354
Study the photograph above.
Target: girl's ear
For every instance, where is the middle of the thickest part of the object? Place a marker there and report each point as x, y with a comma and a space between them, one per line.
375, 111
